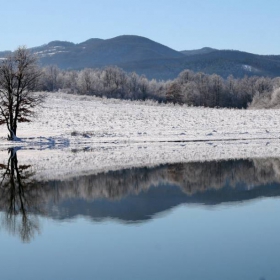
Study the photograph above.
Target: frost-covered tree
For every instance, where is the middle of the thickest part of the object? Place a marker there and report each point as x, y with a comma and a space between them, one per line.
195, 89
264, 85
50, 78
185, 76
216, 82
174, 93
19, 76
191, 94
86, 81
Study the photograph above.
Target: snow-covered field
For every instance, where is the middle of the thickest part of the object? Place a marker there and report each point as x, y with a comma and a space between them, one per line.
84, 119
113, 134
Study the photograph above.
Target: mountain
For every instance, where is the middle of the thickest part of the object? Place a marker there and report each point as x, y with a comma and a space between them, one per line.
147, 57
100, 53
199, 51
221, 62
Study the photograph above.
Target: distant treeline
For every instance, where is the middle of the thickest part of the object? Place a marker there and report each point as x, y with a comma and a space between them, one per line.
193, 89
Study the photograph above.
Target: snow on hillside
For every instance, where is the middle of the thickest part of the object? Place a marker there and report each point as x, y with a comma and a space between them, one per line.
83, 135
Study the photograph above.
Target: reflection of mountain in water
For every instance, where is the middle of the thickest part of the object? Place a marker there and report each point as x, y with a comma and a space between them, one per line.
138, 194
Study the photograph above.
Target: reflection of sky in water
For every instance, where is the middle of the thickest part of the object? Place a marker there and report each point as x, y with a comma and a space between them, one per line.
213, 220
189, 243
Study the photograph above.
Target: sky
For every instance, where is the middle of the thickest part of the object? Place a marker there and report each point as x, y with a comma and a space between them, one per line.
246, 25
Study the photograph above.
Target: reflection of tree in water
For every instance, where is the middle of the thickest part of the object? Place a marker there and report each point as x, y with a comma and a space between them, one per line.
202, 176
19, 196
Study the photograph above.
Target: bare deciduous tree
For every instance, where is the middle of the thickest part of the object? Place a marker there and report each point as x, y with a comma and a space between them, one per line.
19, 75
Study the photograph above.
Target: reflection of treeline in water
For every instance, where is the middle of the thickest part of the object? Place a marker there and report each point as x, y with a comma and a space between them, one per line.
192, 178
22, 197
199, 177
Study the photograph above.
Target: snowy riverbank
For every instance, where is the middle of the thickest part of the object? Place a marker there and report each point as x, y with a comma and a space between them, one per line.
67, 162
82, 134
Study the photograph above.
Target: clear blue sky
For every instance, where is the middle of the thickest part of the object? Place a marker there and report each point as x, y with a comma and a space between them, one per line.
247, 25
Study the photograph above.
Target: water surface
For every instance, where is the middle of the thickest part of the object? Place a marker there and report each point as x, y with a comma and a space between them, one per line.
199, 220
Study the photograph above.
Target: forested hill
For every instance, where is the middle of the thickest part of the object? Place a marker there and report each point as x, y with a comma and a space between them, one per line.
144, 56
199, 51
221, 62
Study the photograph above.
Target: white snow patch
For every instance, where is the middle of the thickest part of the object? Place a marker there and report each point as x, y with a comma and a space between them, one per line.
249, 68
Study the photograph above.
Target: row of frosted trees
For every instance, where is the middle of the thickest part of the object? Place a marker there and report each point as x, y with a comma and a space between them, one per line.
194, 89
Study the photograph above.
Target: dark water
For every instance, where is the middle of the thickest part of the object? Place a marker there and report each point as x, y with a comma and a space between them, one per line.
201, 220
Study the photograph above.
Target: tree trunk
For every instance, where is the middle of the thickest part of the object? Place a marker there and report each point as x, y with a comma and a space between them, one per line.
13, 136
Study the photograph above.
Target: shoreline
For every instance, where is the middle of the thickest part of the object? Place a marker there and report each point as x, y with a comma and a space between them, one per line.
66, 162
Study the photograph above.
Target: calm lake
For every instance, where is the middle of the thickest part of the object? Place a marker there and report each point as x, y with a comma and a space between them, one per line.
194, 220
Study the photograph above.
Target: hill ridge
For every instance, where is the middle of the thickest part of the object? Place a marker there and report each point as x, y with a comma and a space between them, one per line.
146, 57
